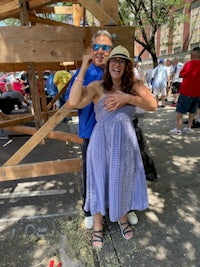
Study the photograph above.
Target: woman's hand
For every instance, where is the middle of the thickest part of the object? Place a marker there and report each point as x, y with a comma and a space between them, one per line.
115, 100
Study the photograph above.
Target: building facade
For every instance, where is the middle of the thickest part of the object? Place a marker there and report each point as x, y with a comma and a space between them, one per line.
185, 37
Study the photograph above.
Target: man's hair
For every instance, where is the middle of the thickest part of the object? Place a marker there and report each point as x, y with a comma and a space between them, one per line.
196, 51
8, 86
102, 32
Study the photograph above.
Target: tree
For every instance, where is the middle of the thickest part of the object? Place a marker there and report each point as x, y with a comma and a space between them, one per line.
147, 16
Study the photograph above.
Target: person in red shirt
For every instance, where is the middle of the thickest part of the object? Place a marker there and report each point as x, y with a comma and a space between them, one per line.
18, 85
189, 92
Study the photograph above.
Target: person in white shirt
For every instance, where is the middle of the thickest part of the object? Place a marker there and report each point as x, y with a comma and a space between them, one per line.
169, 83
176, 81
161, 77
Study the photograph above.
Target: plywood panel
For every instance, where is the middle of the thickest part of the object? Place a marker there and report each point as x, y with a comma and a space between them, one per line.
53, 44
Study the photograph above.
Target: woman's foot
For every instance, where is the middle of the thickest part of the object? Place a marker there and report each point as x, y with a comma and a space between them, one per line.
126, 230
97, 239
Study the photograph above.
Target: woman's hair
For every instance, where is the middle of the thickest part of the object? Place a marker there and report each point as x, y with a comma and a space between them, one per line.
127, 78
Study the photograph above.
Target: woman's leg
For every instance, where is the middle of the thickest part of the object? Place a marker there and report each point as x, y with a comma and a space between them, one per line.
97, 235
126, 229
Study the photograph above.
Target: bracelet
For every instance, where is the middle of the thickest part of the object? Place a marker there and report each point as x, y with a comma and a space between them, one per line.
79, 80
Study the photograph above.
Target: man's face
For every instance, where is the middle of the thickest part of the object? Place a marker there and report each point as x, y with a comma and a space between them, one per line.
168, 63
102, 47
175, 61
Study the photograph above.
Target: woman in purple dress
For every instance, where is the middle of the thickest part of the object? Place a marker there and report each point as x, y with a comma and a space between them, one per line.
116, 181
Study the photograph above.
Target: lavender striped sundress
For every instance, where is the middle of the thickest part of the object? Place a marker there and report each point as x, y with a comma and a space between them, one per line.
115, 173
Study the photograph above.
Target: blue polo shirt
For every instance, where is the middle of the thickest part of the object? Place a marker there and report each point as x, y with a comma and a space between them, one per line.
86, 115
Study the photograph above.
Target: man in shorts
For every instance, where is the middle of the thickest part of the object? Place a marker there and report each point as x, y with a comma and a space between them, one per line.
189, 92
176, 82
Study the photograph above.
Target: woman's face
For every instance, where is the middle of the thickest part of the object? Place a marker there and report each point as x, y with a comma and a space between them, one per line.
117, 67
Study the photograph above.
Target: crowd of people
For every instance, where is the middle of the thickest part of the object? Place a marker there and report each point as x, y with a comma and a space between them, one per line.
170, 78
16, 85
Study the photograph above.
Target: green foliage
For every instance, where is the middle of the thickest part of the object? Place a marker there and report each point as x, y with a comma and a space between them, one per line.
12, 22
147, 16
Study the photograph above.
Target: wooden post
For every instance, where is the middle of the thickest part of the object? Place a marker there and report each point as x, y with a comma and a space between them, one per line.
77, 14
24, 12
111, 8
42, 94
34, 94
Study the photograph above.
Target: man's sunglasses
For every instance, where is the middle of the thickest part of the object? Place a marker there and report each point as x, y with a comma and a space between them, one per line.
96, 47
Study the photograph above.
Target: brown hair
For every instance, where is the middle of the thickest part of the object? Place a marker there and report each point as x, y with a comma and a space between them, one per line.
127, 78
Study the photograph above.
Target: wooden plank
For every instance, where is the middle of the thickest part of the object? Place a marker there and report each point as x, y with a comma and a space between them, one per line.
77, 14
38, 169
9, 9
20, 66
24, 12
38, 137
66, 137
9, 6
34, 94
39, 3
62, 91
54, 44
98, 12
59, 10
111, 8
35, 19
15, 120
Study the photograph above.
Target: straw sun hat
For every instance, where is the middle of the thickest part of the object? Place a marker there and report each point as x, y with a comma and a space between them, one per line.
119, 51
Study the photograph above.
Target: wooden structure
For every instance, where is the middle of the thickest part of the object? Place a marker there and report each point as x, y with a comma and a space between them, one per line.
41, 44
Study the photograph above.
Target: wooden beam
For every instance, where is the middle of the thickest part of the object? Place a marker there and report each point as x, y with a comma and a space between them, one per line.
59, 10
36, 19
34, 94
38, 169
6, 6
39, 3
57, 135
62, 91
98, 12
24, 12
77, 14
38, 136
20, 66
111, 8
54, 44
15, 120
10, 9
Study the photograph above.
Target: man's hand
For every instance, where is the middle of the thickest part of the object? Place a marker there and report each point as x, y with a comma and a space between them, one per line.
86, 61
115, 100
